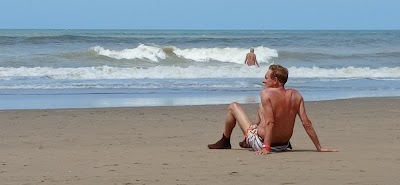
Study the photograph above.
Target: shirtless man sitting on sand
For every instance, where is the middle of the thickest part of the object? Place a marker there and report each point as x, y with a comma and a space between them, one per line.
251, 58
275, 119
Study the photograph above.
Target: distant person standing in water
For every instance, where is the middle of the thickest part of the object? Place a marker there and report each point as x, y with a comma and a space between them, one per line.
251, 58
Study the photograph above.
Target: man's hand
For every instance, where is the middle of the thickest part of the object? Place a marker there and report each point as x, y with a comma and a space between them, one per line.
327, 150
263, 152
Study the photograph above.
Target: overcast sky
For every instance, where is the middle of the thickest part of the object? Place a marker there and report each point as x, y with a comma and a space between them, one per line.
200, 14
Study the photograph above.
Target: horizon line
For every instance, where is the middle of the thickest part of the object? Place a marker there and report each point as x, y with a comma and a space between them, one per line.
183, 29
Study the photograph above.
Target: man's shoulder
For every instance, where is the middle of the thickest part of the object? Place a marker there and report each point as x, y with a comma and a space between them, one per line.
270, 92
294, 92
266, 92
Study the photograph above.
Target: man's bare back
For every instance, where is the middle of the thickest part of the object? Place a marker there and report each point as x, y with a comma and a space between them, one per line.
251, 58
285, 105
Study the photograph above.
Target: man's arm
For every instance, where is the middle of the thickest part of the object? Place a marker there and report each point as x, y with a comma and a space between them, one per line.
310, 129
255, 58
245, 60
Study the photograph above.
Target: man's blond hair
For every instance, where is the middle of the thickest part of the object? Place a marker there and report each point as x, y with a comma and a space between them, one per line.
279, 72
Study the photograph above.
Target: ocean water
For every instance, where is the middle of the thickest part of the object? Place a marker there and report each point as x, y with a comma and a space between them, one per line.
42, 69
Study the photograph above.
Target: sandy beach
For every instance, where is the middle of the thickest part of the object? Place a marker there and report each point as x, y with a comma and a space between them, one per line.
167, 145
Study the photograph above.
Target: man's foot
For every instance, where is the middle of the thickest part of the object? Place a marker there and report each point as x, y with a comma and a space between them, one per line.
244, 144
223, 143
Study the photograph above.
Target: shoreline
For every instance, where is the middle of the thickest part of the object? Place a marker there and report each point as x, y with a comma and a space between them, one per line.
167, 145
89, 101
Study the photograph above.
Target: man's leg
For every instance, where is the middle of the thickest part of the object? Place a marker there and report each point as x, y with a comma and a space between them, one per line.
235, 114
260, 113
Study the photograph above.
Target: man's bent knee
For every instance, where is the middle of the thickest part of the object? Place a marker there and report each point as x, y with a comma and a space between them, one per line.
233, 106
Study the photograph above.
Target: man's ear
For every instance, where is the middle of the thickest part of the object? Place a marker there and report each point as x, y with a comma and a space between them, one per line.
276, 80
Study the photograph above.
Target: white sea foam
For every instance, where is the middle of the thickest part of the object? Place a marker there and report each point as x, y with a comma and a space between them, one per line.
140, 52
347, 72
191, 72
153, 53
235, 55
